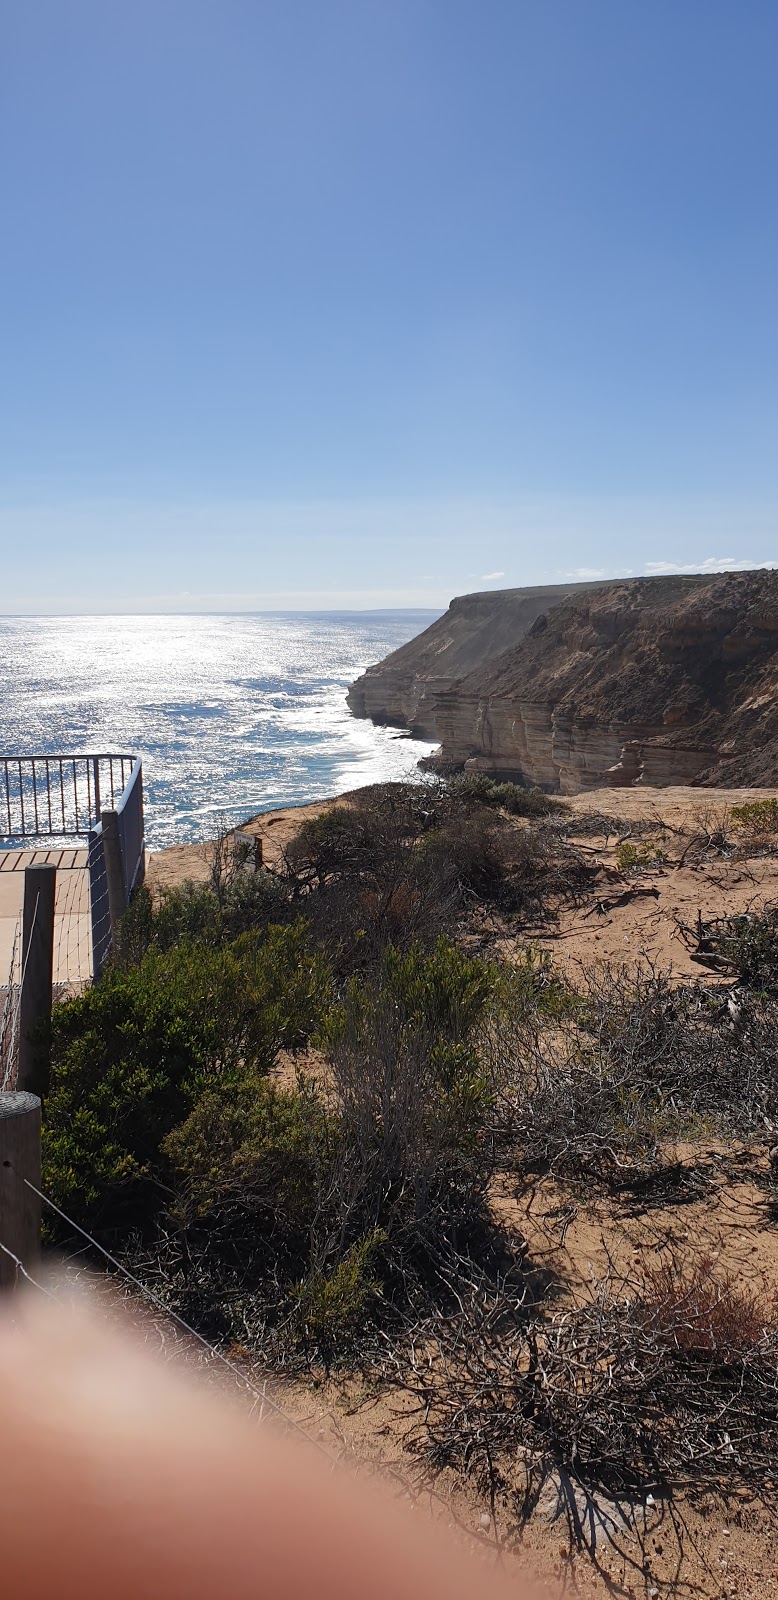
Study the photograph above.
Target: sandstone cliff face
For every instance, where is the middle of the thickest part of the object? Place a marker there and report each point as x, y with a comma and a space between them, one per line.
404, 688
645, 681
650, 681
529, 741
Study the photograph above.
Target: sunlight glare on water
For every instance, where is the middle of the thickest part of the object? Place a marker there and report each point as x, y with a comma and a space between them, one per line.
231, 714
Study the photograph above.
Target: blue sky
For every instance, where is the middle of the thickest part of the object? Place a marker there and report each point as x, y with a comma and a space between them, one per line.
322, 303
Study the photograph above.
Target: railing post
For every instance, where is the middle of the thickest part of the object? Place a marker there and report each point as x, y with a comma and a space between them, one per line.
37, 974
141, 863
114, 872
20, 1207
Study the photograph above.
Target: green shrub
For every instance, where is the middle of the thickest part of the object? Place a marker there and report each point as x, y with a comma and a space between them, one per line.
280, 977
511, 797
758, 819
248, 1146
307, 1198
131, 1055
749, 944
364, 882
530, 990
435, 1000
412, 1094
126, 1056
401, 862
474, 851
633, 857
328, 845
330, 1305
195, 912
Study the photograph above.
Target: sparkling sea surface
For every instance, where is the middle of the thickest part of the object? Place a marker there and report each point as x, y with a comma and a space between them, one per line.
232, 714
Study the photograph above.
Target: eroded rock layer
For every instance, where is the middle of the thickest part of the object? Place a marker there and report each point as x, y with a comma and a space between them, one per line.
403, 689
650, 680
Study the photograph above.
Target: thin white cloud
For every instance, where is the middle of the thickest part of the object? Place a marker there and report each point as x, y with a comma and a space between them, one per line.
710, 564
351, 554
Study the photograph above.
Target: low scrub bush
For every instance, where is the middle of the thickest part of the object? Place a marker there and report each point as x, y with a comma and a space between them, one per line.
510, 797
750, 944
696, 1309
757, 820
411, 1094
393, 869
667, 1383
300, 1212
711, 825
404, 860
196, 912
404, 863
245, 1153
601, 1079
559, 1100
330, 1306
744, 945
528, 997
131, 1055
632, 857
364, 883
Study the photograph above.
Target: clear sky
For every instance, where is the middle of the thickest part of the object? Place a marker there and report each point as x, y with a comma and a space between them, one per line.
323, 303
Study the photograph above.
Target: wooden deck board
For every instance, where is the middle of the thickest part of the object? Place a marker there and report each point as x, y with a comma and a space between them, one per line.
72, 921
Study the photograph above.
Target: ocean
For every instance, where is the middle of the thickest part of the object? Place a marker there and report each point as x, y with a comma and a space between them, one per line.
232, 714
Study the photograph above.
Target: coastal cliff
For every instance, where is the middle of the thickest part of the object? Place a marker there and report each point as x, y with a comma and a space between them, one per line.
650, 680
403, 689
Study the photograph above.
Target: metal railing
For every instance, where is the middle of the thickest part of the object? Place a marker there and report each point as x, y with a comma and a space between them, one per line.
72, 797
59, 796
129, 812
131, 832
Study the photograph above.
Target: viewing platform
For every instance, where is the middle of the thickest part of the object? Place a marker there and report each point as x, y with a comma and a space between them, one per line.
73, 958
82, 817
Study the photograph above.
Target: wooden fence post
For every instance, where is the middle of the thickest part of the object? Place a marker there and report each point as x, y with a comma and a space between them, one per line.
114, 872
37, 974
20, 1207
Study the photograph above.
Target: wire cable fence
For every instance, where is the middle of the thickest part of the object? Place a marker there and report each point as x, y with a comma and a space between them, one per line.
212, 1350
264, 1400
10, 1000
21, 1272
77, 917
99, 907
96, 800
416, 1487
73, 964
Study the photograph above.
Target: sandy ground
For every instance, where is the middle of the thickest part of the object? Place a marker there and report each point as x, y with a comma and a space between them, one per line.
671, 893
595, 931
725, 1211
721, 1548
166, 868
